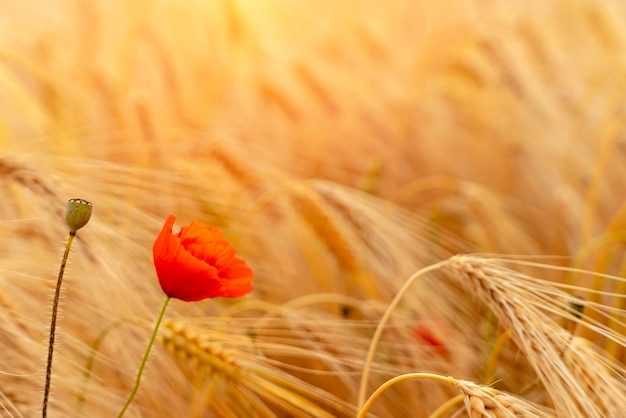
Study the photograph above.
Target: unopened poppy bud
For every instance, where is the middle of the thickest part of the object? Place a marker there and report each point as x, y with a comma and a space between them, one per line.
77, 214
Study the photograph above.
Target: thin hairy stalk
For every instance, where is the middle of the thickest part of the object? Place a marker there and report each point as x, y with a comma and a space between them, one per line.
145, 358
53, 324
77, 214
381, 326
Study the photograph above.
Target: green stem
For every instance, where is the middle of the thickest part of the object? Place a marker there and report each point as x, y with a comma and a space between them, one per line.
53, 323
145, 358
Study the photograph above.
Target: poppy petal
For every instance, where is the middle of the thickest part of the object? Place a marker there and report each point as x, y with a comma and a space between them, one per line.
207, 243
199, 263
239, 276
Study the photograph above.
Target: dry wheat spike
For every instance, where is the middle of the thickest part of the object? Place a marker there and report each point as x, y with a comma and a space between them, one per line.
581, 382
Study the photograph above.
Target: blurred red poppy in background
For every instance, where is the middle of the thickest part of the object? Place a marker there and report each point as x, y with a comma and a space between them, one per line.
432, 332
198, 263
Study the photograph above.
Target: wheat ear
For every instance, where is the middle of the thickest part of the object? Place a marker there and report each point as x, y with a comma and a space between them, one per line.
202, 358
580, 382
480, 401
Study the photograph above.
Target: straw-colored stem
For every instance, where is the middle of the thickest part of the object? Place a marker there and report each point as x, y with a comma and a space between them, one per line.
381, 326
447, 405
370, 401
53, 323
145, 358
490, 372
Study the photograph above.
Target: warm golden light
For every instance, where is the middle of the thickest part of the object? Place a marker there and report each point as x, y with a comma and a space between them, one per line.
348, 149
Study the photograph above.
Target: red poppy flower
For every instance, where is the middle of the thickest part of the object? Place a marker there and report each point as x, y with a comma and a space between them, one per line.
426, 332
198, 263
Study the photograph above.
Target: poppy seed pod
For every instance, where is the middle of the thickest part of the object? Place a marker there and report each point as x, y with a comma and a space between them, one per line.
77, 214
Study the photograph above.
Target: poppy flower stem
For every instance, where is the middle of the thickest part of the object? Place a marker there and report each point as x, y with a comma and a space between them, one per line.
145, 358
53, 323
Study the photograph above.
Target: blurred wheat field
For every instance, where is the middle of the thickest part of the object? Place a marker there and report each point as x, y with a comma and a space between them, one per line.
356, 155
